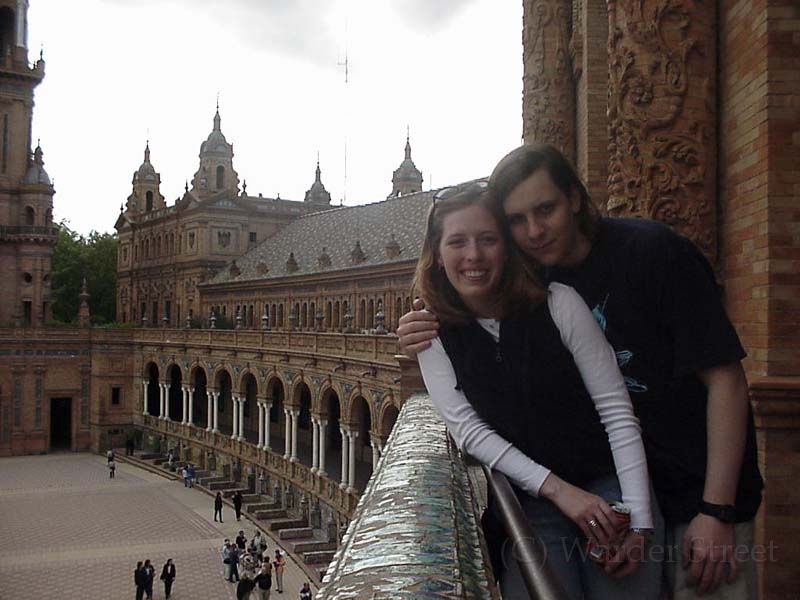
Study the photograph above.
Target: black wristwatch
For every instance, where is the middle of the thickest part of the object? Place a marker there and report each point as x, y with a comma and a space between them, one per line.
722, 512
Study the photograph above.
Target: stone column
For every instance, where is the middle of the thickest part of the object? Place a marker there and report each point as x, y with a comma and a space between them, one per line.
662, 114
260, 425
287, 434
235, 416
267, 408
161, 401
314, 444
215, 428
295, 415
345, 453
166, 390
323, 427
351, 478
144, 398
548, 96
375, 454
242, 400
209, 410
190, 404
184, 403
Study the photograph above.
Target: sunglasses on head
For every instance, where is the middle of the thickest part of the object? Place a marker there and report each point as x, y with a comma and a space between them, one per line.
449, 192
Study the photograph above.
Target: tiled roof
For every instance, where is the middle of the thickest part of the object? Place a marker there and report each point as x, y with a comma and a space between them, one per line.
334, 233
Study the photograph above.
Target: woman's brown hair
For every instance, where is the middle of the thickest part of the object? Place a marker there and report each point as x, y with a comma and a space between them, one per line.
520, 287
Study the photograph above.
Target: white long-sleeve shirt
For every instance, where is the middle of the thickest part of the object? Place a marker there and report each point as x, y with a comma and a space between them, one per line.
597, 365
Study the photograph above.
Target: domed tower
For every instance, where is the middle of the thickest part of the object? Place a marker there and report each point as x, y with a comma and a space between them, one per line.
407, 179
317, 194
146, 196
27, 235
216, 172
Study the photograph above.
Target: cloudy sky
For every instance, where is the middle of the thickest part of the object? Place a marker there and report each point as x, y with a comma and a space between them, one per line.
121, 72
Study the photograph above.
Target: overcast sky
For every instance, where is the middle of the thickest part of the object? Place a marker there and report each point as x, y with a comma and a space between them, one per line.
120, 72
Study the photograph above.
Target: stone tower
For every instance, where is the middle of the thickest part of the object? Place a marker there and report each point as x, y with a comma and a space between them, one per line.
146, 196
216, 172
27, 235
317, 194
406, 179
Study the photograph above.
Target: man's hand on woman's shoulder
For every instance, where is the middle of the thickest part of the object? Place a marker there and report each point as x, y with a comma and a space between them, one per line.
416, 329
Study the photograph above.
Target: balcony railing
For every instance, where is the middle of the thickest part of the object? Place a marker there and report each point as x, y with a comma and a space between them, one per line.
415, 532
539, 579
15, 232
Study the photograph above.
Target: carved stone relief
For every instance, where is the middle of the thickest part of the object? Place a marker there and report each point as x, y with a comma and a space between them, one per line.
662, 112
548, 106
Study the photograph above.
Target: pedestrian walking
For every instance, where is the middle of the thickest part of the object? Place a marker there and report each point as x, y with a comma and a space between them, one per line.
168, 574
149, 575
109, 455
185, 475
234, 556
279, 563
138, 580
258, 545
218, 507
171, 459
263, 581
112, 468
237, 504
244, 587
226, 559
306, 593
191, 475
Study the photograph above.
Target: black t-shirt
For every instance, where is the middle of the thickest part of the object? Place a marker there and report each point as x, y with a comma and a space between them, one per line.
655, 297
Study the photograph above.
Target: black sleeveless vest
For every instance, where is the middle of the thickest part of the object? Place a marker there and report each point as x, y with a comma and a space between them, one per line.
529, 390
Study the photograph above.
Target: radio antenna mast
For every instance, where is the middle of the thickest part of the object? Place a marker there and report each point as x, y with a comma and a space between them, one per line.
346, 65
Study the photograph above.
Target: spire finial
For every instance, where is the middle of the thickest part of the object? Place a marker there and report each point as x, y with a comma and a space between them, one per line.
216, 116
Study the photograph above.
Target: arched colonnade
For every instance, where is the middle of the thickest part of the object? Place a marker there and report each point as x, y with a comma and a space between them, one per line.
333, 427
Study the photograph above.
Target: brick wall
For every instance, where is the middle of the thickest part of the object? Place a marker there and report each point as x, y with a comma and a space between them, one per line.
760, 251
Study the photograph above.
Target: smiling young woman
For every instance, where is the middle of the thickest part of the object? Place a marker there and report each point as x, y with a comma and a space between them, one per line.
526, 383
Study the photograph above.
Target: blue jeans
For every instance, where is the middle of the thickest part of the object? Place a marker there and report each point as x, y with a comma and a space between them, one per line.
565, 546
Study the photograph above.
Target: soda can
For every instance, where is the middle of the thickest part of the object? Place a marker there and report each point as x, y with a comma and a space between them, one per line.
598, 553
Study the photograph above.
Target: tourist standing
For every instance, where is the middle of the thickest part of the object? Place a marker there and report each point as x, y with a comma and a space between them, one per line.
279, 563
237, 504
306, 593
218, 507
226, 559
168, 575
138, 580
241, 541
263, 581
149, 575
234, 556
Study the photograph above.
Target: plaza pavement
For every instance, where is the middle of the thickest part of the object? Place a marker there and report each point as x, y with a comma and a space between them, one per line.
70, 532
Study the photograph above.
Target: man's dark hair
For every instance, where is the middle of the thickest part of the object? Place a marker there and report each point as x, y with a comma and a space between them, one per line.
519, 164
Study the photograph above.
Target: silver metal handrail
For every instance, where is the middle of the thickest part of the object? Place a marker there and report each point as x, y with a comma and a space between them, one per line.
540, 580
